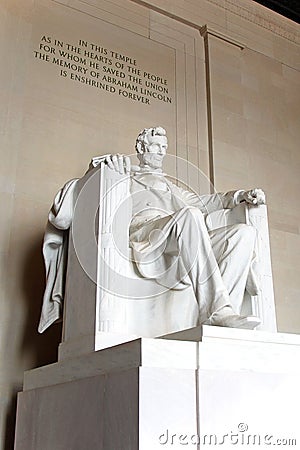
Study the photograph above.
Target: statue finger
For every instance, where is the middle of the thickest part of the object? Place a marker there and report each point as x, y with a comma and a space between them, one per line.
115, 163
249, 197
121, 164
109, 162
127, 164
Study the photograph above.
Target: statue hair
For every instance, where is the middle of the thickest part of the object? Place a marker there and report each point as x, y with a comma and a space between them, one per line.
142, 139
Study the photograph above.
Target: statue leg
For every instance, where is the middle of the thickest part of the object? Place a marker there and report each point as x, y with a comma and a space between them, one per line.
178, 248
233, 247
197, 257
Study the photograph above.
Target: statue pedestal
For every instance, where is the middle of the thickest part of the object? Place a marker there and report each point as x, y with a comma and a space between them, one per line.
207, 385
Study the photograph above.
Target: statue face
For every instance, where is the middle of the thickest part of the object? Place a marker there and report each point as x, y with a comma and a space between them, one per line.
155, 151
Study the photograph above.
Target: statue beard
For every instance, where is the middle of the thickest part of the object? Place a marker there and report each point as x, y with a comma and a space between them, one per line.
152, 160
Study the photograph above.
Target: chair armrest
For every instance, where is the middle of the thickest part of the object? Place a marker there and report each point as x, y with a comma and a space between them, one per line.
257, 216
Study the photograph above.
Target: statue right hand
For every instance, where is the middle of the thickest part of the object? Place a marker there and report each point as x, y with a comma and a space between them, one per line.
119, 163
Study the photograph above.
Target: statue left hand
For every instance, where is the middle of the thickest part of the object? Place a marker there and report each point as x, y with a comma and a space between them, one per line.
253, 197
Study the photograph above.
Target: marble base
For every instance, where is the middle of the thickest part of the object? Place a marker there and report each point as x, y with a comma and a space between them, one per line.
216, 387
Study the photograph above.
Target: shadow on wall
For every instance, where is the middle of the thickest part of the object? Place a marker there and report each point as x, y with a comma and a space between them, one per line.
10, 422
38, 349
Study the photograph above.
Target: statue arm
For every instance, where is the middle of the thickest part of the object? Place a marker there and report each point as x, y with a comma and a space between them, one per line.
228, 200
220, 200
206, 203
61, 213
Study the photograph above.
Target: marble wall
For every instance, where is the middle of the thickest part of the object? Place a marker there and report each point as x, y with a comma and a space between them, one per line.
255, 109
52, 124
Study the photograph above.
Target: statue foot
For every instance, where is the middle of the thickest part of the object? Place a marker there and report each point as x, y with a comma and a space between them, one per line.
234, 321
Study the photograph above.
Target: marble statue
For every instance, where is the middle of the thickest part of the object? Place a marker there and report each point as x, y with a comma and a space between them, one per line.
169, 239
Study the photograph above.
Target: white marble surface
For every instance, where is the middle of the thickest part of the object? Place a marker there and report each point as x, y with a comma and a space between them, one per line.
222, 348
206, 332
210, 347
247, 406
140, 352
168, 400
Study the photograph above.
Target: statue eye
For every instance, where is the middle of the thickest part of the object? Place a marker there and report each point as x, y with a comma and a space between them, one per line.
154, 148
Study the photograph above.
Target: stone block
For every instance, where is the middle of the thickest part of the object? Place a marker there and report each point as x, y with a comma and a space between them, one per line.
205, 386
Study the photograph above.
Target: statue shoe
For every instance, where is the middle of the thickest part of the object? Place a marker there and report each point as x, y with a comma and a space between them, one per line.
234, 321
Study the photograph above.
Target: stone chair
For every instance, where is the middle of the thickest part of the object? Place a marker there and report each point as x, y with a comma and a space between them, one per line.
103, 303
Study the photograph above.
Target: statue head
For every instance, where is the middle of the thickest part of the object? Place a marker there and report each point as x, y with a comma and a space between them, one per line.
151, 147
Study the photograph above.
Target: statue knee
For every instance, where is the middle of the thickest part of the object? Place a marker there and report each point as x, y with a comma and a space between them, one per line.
194, 212
193, 221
